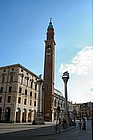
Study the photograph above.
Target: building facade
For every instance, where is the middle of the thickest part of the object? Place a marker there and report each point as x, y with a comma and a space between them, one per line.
59, 102
86, 110
18, 94
83, 110
76, 110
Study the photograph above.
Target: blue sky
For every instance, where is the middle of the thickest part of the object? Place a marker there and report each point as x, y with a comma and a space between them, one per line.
23, 31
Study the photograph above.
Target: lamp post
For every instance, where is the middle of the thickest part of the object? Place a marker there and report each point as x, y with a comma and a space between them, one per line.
65, 78
39, 118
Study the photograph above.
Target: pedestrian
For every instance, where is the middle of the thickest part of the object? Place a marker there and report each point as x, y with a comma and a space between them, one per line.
64, 123
84, 124
80, 124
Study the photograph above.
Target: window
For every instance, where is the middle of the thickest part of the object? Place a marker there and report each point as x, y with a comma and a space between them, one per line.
10, 88
26, 81
19, 100
35, 86
35, 95
20, 89
11, 78
34, 103
30, 93
55, 102
30, 102
3, 79
61, 104
25, 91
1, 90
21, 78
25, 101
31, 84
0, 99
9, 99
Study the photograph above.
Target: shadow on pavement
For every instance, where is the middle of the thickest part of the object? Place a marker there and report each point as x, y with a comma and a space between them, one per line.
27, 134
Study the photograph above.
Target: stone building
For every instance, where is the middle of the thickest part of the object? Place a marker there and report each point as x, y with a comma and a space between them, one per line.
19, 95
86, 110
76, 110
83, 110
59, 101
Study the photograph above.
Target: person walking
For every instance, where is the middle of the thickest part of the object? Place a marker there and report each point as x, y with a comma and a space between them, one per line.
80, 124
84, 124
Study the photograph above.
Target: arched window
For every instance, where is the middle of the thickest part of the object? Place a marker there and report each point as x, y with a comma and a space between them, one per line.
35, 86
31, 84
11, 78
18, 111
35, 95
24, 115
3, 79
61, 104
21, 75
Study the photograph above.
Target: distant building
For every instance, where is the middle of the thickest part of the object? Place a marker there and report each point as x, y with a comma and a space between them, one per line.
76, 110
86, 110
82, 110
59, 101
19, 95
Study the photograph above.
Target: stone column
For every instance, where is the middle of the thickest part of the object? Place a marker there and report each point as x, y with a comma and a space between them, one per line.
21, 113
65, 78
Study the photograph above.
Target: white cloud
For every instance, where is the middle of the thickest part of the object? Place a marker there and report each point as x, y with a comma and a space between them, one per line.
80, 85
80, 63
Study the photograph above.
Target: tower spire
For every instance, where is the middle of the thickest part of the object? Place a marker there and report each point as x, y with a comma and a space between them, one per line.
50, 19
50, 23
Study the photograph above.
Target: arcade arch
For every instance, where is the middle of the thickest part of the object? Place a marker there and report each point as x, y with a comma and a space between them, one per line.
24, 115
7, 114
18, 112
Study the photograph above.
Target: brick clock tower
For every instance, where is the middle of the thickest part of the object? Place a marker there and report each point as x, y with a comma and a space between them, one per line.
49, 73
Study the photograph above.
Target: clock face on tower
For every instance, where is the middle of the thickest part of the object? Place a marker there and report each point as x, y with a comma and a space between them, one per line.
48, 51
